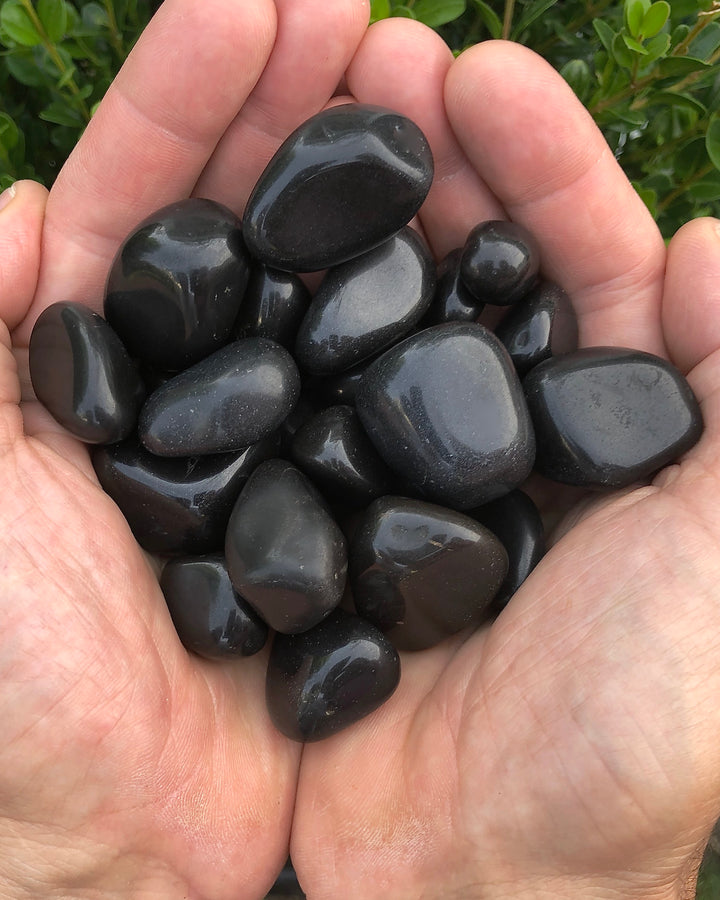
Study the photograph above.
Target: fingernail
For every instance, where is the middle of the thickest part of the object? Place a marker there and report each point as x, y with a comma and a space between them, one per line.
7, 196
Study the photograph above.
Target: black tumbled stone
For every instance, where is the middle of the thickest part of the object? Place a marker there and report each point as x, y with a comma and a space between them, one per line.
540, 325
516, 521
334, 451
329, 677
452, 301
608, 416
273, 306
366, 304
233, 398
345, 181
177, 506
500, 262
421, 572
175, 285
82, 374
210, 617
286, 555
446, 411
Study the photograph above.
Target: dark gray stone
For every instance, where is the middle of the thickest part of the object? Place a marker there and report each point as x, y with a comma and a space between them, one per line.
500, 262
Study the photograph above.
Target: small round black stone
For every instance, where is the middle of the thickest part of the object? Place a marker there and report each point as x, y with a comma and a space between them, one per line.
500, 262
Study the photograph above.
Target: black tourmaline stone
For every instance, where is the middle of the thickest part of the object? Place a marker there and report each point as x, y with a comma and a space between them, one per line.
607, 417
177, 506
367, 304
541, 325
233, 398
176, 283
329, 677
286, 555
452, 302
515, 520
273, 306
210, 617
500, 262
421, 572
345, 181
446, 411
81, 372
334, 451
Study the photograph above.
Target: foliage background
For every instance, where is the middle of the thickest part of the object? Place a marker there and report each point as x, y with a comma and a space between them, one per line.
647, 71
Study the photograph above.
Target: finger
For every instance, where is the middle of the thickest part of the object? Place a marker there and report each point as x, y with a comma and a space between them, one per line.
315, 42
21, 222
156, 128
543, 156
402, 64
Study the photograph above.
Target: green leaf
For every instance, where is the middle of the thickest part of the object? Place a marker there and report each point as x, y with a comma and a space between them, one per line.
9, 134
712, 140
53, 15
59, 113
577, 74
379, 9
403, 12
634, 11
18, 25
707, 42
634, 45
605, 33
680, 66
633, 117
438, 12
532, 11
490, 18
648, 196
23, 66
621, 52
675, 99
655, 18
706, 189
657, 48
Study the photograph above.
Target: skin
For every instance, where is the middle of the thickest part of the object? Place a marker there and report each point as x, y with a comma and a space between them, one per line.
568, 751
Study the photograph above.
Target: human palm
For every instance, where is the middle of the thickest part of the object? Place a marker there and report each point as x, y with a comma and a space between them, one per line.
568, 750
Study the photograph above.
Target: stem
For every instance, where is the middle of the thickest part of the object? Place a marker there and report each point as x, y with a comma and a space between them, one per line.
507, 20
115, 35
681, 188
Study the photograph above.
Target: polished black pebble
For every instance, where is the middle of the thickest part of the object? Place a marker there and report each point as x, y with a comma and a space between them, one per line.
367, 304
177, 506
210, 617
233, 398
82, 374
345, 181
334, 451
500, 262
273, 306
446, 411
452, 301
607, 417
285, 554
421, 572
336, 387
540, 325
175, 285
329, 677
515, 520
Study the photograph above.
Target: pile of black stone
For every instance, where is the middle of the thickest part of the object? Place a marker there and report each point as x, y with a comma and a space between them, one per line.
342, 469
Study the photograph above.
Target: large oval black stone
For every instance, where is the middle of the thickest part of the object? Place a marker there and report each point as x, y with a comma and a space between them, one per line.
286, 555
233, 398
446, 411
175, 286
367, 304
345, 181
500, 262
609, 416
334, 451
421, 572
210, 617
82, 374
177, 506
329, 677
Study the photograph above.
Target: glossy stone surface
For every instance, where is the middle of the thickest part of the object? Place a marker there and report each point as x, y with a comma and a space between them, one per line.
540, 325
329, 677
500, 262
273, 306
175, 285
608, 416
210, 617
177, 506
421, 572
233, 398
364, 305
446, 411
345, 181
82, 374
337, 388
336, 454
515, 520
285, 554
452, 301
